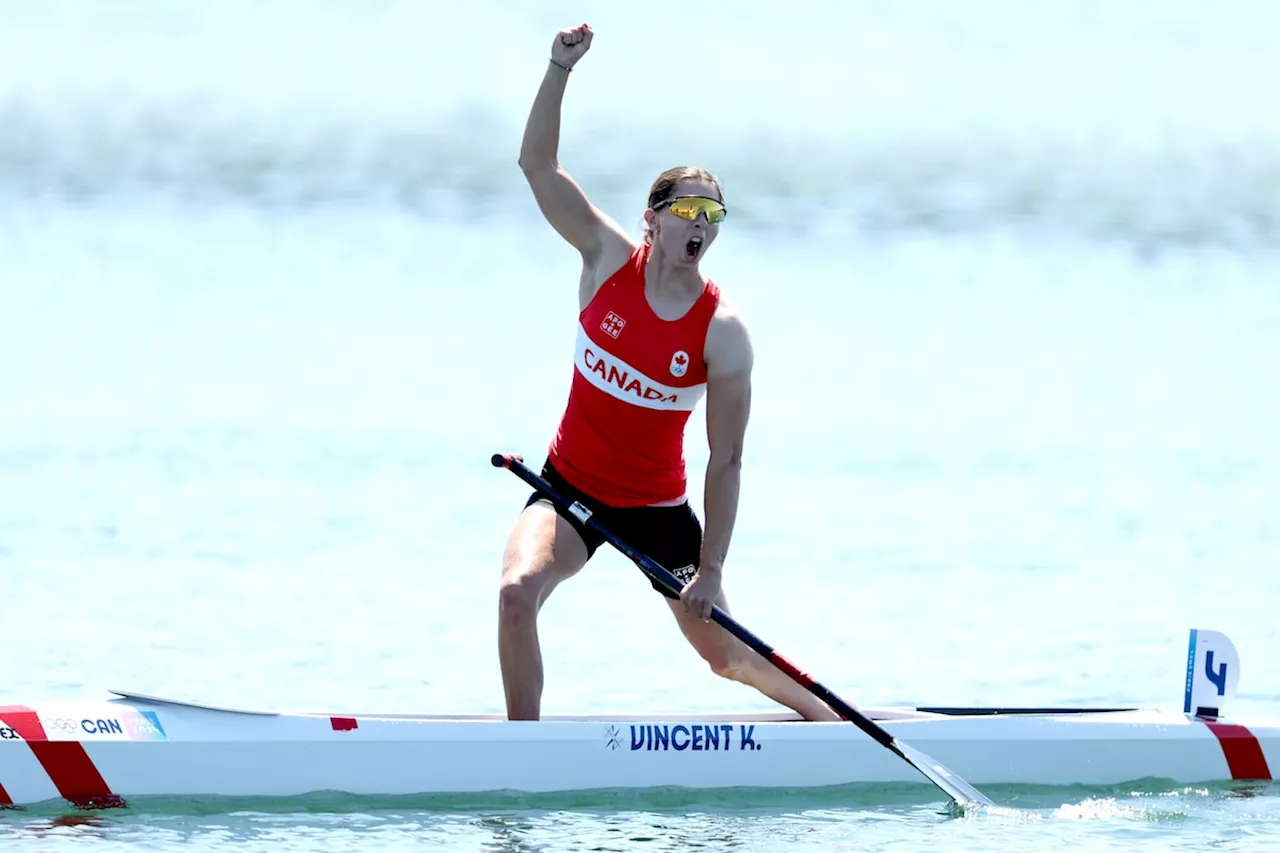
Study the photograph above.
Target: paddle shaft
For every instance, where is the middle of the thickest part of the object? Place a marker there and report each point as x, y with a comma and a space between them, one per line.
664, 577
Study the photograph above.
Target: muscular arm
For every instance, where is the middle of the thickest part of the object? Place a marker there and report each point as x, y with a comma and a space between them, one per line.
729, 362
559, 197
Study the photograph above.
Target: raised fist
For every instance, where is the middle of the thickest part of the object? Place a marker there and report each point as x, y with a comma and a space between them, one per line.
569, 45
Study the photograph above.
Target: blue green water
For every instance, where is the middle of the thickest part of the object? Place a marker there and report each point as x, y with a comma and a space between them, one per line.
273, 290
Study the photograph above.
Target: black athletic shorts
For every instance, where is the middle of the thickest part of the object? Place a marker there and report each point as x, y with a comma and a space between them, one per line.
671, 536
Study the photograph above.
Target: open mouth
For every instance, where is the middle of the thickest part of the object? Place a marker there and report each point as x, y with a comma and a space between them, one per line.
692, 248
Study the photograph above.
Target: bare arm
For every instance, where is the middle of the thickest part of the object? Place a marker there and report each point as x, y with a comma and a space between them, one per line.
559, 197
729, 362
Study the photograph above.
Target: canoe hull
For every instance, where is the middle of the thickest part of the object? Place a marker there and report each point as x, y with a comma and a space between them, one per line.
89, 753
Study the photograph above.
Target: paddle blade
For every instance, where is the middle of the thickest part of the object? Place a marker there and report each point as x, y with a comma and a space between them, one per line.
959, 790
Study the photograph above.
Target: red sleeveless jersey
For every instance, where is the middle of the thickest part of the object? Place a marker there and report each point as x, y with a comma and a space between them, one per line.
637, 378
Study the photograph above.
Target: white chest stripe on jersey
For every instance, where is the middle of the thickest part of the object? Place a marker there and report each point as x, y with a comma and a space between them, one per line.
618, 379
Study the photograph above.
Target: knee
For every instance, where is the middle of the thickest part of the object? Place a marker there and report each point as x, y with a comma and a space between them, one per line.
725, 661
519, 596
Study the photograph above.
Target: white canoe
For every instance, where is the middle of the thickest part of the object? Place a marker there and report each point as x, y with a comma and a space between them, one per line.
103, 753
96, 753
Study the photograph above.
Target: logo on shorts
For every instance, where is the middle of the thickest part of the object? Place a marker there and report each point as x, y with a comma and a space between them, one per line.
684, 574
612, 324
680, 363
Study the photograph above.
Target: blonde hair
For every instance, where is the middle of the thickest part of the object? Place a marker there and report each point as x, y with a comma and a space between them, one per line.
665, 184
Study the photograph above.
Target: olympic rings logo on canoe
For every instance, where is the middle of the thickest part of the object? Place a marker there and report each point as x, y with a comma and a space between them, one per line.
62, 724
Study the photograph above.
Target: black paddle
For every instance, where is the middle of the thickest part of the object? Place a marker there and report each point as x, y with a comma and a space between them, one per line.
960, 791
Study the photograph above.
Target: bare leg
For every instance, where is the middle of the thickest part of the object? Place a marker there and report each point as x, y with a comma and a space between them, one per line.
542, 550
730, 658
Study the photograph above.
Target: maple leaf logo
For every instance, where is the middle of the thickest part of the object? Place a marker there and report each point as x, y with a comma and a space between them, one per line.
679, 363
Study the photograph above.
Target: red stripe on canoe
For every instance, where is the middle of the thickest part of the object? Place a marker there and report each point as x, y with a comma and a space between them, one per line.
69, 766
1242, 750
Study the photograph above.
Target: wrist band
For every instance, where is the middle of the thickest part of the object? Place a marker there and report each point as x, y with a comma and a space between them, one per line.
560, 65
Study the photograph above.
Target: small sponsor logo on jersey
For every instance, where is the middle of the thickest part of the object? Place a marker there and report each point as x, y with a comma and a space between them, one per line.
680, 363
612, 324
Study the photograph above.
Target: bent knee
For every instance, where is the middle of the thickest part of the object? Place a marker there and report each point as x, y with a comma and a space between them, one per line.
535, 561
725, 661
526, 582
519, 596
733, 670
